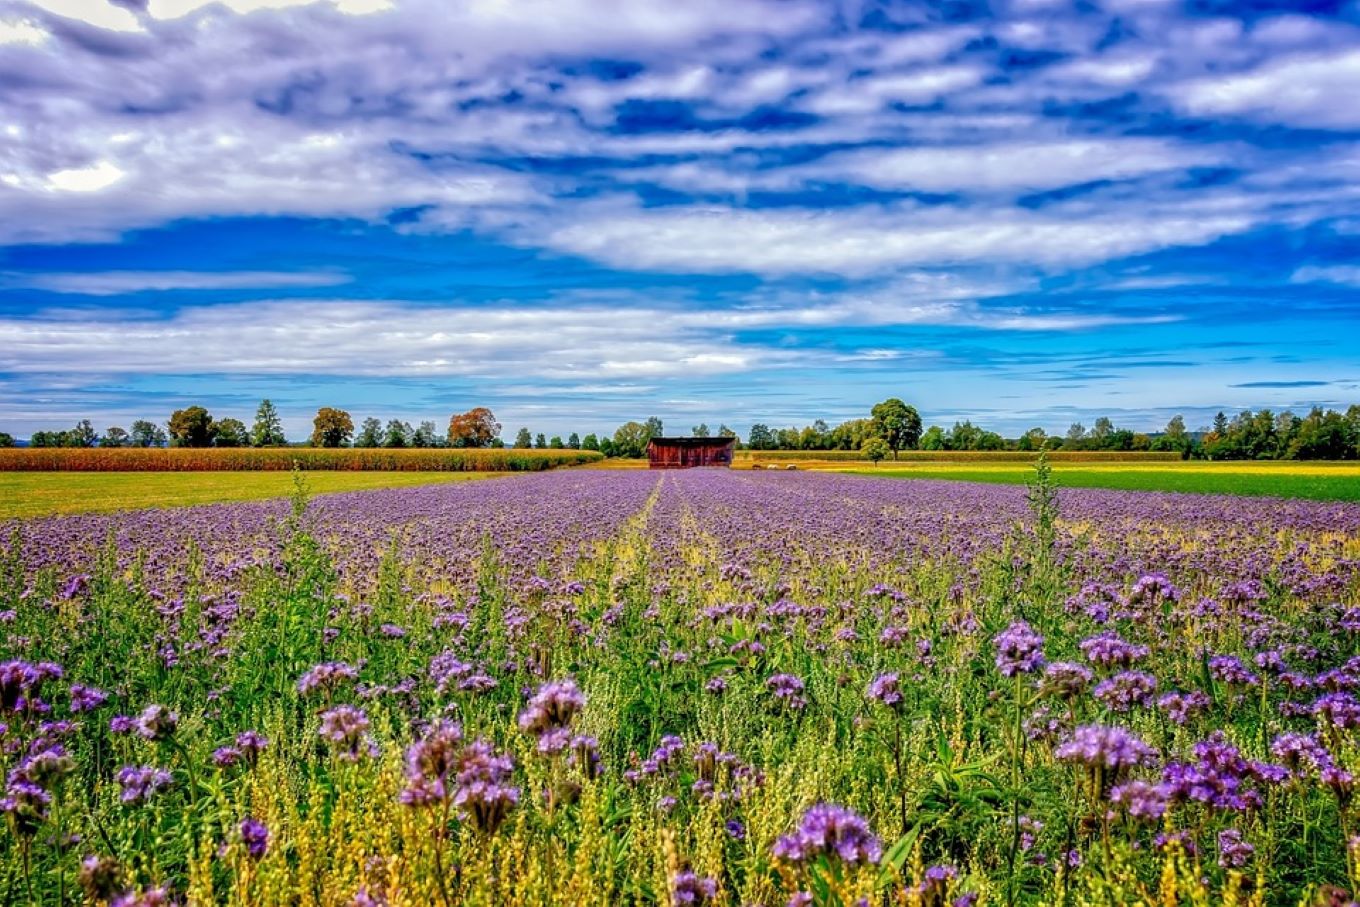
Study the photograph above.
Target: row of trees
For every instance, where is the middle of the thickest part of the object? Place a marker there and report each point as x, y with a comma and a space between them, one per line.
892, 426
1320, 435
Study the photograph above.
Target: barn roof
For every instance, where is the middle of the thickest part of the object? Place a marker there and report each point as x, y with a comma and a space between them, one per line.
693, 442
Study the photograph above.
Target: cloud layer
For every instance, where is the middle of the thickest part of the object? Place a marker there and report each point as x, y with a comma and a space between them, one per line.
643, 190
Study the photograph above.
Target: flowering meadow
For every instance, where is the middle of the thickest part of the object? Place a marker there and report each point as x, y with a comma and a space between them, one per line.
688, 688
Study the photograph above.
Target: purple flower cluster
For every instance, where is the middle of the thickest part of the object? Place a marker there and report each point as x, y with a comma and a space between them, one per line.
28, 788
1019, 650
552, 708
1233, 852
157, 723
484, 795
21, 682
1219, 777
1181, 707
788, 691
689, 888
140, 783
1142, 800
430, 762
86, 699
346, 728
1112, 749
887, 689
1126, 691
831, 830
1065, 679
255, 837
326, 678
1110, 650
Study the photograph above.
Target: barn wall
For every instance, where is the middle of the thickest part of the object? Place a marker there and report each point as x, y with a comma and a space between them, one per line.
684, 456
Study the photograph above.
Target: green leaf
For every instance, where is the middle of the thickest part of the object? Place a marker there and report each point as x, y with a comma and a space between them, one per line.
896, 856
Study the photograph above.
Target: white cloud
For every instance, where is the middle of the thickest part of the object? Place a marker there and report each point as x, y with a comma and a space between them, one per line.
1017, 166
99, 13
588, 343
1316, 91
113, 283
1342, 275
94, 178
21, 31
860, 242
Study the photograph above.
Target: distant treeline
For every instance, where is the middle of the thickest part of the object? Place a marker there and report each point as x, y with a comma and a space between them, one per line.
891, 426
1263, 435
264, 459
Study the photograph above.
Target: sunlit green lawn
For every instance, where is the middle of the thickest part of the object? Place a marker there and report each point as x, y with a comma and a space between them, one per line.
1318, 481
27, 494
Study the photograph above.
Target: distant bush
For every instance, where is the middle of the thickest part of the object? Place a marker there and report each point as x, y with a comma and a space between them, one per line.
136, 459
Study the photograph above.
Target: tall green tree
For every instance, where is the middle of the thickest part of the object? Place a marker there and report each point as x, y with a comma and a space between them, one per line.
230, 433
630, 439
700, 430
654, 428
332, 427
760, 437
523, 439
426, 435
147, 434
114, 436
370, 433
191, 427
897, 423
268, 428
397, 434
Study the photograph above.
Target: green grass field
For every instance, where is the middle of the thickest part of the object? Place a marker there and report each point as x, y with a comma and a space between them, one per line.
29, 494
1317, 481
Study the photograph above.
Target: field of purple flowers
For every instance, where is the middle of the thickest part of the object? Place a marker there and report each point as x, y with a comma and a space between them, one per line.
690, 688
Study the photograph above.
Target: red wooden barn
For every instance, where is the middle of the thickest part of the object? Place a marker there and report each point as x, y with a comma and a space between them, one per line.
682, 453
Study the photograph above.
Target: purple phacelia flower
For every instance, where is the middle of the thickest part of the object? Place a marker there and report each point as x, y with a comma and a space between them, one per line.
788, 691
1233, 852
1181, 707
1019, 650
140, 783
255, 837
1126, 690
347, 729
886, 688
554, 705
1109, 748
157, 723
1229, 669
484, 795
1340, 710
831, 830
100, 877
431, 763
1141, 800
1110, 650
326, 677
688, 888
86, 699
1065, 679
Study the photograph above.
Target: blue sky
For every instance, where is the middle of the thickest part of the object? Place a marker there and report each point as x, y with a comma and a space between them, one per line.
580, 212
